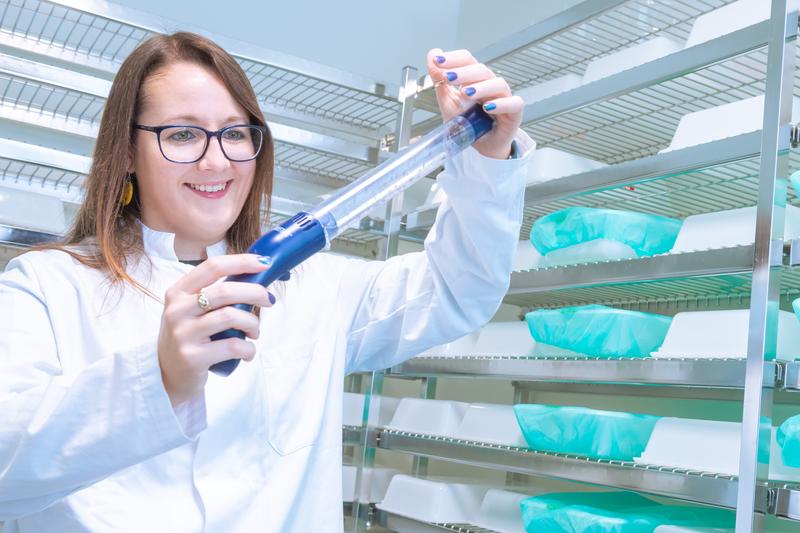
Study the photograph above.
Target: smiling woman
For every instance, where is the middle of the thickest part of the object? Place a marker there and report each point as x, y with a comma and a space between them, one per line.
109, 419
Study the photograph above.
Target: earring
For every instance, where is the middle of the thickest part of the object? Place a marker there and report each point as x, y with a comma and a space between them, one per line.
127, 190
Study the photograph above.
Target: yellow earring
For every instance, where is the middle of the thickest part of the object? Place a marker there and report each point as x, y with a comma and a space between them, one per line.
127, 191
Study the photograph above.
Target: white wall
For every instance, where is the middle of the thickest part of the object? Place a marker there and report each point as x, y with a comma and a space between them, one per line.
369, 38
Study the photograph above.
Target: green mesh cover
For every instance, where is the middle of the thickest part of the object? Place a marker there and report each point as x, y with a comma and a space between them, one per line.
582, 431
646, 234
599, 331
613, 512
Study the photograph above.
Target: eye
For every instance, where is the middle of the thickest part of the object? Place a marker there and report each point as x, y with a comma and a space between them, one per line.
234, 134
181, 135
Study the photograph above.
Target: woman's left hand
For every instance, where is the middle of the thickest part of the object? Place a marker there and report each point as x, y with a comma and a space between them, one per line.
461, 81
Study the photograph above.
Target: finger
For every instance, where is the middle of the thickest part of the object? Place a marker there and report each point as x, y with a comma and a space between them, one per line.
222, 350
487, 89
507, 105
229, 293
223, 319
215, 268
443, 91
469, 74
453, 59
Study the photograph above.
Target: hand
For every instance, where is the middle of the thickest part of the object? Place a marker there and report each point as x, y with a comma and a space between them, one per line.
471, 82
185, 349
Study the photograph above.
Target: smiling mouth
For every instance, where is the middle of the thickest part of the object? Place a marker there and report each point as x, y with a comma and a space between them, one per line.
209, 188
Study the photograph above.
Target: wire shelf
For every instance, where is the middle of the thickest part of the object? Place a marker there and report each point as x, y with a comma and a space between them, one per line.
40, 176
94, 39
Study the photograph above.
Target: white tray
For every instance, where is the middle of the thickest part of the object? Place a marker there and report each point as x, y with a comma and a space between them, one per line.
462, 346
353, 409
491, 423
500, 512
728, 120
723, 334
527, 257
550, 88
730, 18
630, 57
546, 164
733, 227
32, 211
674, 443
432, 501
377, 479
431, 417
588, 252
509, 338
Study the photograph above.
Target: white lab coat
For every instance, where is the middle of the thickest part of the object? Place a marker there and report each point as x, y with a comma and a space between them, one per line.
90, 442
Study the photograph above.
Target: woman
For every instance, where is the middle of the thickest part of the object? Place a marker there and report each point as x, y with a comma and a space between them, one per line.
110, 420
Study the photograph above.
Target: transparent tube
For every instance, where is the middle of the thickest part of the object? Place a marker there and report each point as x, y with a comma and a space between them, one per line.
401, 171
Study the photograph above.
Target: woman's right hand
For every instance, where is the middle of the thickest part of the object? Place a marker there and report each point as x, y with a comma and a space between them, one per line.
185, 348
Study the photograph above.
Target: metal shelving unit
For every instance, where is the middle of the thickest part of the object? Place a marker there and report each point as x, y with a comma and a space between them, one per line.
626, 120
56, 62
396, 522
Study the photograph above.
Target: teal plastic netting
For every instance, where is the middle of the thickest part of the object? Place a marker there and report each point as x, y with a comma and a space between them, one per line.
582, 431
788, 437
599, 331
613, 512
646, 234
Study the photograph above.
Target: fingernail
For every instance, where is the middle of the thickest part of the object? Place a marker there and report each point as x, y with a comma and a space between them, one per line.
265, 259
469, 91
490, 107
451, 76
272, 299
440, 59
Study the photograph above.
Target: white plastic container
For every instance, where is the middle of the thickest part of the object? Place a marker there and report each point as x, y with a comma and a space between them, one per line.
31, 211
377, 479
460, 347
729, 18
727, 120
433, 501
723, 334
505, 338
353, 409
549, 88
675, 443
546, 164
630, 57
704, 445
527, 257
491, 423
500, 512
588, 252
431, 417
733, 227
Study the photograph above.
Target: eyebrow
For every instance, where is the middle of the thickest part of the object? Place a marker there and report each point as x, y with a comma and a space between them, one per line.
196, 120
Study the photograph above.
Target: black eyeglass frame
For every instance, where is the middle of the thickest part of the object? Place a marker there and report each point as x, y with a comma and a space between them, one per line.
218, 134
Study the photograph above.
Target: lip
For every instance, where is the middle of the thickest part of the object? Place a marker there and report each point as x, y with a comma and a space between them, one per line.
211, 195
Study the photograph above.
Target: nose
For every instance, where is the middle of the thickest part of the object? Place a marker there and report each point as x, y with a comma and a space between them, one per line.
213, 159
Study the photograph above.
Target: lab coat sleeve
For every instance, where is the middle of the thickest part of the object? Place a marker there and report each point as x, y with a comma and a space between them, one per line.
405, 305
63, 431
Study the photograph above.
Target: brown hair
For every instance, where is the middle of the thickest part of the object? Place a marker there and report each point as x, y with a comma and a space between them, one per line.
105, 234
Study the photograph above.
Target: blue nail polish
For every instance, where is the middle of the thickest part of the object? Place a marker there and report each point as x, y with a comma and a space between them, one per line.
272, 299
469, 91
451, 76
490, 107
265, 259
440, 59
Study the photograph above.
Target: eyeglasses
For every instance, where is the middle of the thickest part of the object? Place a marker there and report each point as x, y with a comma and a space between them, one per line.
188, 144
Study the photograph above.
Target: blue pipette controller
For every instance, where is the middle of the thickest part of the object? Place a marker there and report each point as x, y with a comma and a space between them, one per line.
307, 233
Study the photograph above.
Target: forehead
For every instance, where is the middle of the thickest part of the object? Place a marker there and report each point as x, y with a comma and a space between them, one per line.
188, 89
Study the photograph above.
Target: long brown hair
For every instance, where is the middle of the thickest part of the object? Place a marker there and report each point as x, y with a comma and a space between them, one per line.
105, 235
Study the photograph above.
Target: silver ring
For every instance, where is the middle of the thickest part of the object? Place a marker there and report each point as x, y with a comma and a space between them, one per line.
202, 301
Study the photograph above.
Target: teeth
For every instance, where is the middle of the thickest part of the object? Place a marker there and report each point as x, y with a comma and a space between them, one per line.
208, 188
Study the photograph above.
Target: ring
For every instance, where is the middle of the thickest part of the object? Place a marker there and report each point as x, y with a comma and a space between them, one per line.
202, 301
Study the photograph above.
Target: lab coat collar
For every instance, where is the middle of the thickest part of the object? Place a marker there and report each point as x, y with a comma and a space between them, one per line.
162, 244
